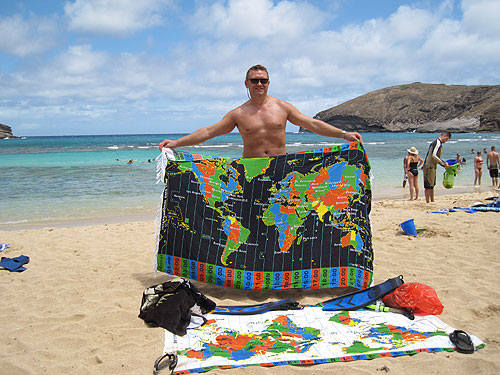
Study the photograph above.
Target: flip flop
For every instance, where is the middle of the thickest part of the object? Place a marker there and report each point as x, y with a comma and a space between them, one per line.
462, 341
14, 264
4, 246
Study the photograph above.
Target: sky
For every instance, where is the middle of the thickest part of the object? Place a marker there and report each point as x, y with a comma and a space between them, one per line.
82, 67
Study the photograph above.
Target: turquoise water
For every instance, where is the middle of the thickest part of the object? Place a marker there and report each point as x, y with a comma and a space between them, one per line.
46, 180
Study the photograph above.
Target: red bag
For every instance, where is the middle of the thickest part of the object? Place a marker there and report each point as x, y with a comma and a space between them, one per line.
419, 297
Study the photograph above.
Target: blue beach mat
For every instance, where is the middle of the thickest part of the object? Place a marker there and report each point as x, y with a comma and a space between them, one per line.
305, 337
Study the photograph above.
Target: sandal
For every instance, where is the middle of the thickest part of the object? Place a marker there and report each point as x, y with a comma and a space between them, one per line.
462, 341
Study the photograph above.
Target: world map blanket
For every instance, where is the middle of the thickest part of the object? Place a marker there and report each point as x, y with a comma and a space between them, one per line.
292, 221
305, 337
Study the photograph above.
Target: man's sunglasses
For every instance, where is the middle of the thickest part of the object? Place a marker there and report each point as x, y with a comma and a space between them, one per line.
264, 81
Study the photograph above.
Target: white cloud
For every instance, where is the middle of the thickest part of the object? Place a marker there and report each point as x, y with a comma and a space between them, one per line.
481, 17
26, 37
81, 60
257, 19
114, 17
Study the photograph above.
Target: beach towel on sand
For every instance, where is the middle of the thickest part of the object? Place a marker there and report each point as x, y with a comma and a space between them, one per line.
292, 221
305, 337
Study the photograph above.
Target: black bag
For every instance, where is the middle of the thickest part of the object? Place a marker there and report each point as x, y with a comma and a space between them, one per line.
171, 305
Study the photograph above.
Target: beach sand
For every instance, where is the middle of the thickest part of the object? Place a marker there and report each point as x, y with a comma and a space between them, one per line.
74, 311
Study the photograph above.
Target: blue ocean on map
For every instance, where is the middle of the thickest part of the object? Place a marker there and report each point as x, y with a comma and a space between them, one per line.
106, 178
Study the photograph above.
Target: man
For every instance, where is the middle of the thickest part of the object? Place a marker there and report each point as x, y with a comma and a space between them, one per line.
493, 163
261, 122
432, 159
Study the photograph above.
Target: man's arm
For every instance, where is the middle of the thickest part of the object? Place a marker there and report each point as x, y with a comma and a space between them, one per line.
436, 158
317, 126
224, 126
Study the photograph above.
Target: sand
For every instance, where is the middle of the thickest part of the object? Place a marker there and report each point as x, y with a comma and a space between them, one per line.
74, 311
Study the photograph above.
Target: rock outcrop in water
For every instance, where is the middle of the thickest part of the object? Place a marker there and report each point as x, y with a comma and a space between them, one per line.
6, 132
420, 107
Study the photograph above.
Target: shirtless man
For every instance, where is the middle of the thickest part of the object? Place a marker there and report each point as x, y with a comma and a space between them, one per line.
493, 163
261, 122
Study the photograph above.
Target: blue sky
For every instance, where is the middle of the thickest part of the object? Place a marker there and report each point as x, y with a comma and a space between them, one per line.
172, 66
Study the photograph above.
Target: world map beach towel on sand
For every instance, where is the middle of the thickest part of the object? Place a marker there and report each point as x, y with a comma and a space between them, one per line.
292, 221
305, 337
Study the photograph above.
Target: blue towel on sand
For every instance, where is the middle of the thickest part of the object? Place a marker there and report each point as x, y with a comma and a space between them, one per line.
14, 264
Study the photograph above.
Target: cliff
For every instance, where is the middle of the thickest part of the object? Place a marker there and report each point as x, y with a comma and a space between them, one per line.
6, 132
420, 107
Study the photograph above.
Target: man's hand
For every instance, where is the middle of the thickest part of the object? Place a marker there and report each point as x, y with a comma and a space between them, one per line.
446, 165
168, 143
353, 136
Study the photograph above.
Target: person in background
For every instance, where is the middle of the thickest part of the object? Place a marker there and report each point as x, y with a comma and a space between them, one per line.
432, 159
405, 174
493, 163
261, 122
459, 161
413, 163
478, 169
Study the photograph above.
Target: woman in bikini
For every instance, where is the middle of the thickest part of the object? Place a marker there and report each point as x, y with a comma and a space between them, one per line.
478, 169
413, 163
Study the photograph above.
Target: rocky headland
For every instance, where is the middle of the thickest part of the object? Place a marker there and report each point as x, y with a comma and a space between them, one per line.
420, 107
6, 132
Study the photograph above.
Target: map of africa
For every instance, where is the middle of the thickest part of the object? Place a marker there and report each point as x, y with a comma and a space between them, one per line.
292, 221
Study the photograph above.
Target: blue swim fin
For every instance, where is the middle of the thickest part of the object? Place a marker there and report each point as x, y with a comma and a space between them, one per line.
284, 304
362, 298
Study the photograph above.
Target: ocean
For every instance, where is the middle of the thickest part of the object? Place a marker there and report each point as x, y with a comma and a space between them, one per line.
49, 181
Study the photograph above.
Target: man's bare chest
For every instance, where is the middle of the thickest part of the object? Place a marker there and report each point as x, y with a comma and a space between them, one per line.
263, 119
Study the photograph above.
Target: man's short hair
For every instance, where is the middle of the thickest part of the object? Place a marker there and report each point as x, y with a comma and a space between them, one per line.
447, 133
257, 67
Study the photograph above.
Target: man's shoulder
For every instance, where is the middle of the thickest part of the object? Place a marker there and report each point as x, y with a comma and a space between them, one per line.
279, 102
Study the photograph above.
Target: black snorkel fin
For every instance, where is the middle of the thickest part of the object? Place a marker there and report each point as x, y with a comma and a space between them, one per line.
362, 298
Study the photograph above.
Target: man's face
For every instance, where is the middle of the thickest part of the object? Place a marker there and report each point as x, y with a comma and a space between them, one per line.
444, 138
254, 83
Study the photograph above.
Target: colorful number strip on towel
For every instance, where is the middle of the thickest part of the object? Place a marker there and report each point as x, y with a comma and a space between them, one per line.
293, 221
305, 337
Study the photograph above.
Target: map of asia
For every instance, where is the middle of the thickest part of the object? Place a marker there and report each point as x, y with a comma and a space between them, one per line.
292, 221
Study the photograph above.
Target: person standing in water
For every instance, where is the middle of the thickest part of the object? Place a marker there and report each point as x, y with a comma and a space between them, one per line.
413, 163
478, 169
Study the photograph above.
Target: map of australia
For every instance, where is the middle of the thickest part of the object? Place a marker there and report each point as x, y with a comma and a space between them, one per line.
297, 220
